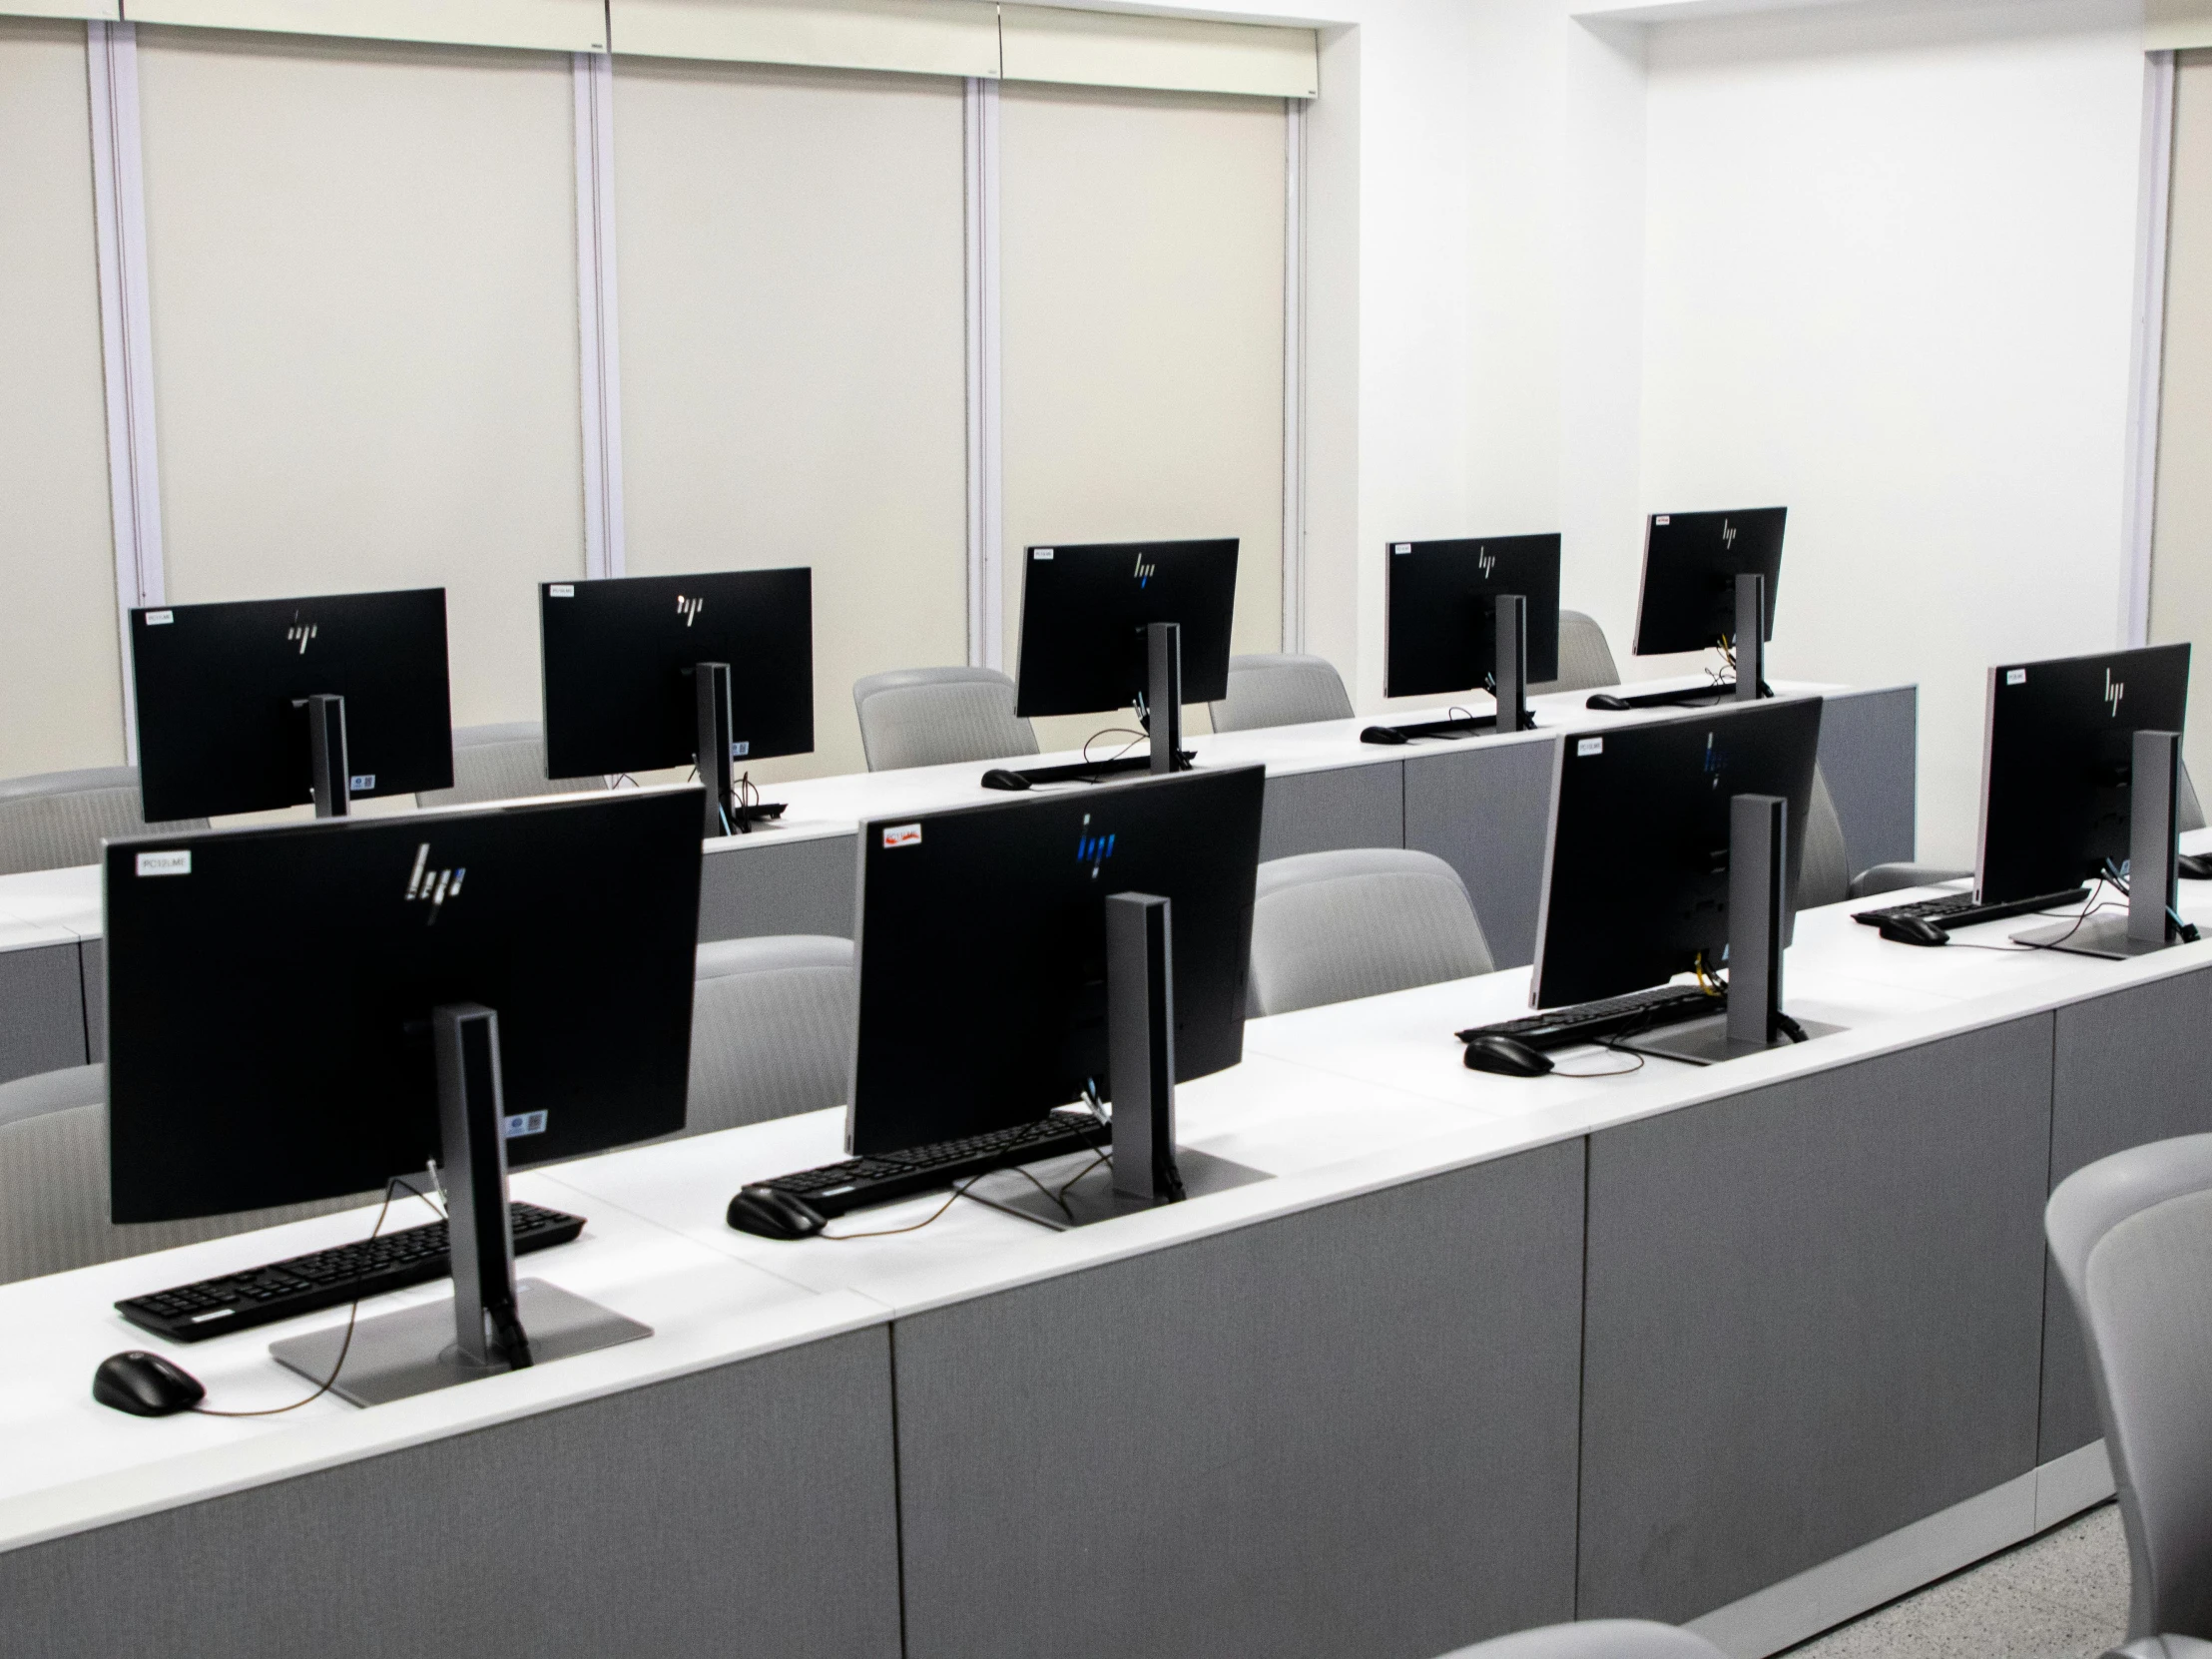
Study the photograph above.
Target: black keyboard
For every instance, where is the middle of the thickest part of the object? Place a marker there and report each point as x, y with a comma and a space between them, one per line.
1682, 697
1459, 726
327, 1278
1589, 1022
856, 1183
1963, 909
1091, 771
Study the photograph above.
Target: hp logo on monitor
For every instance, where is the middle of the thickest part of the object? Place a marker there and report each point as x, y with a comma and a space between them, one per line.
1145, 570
2114, 689
433, 887
302, 632
1485, 561
689, 608
1728, 535
1093, 849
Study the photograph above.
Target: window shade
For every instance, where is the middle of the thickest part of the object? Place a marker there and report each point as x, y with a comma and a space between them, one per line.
546, 25
2176, 25
1119, 49
61, 677
924, 37
109, 10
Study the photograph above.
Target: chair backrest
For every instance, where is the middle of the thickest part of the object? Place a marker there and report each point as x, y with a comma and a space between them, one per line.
1280, 690
54, 1183
58, 820
930, 717
2132, 1238
501, 762
1585, 660
1330, 926
771, 1029
1824, 872
1594, 1639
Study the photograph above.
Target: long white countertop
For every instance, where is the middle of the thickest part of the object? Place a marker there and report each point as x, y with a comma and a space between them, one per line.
1332, 1102
58, 906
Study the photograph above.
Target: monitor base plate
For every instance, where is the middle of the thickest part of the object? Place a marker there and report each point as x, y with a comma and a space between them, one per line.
1079, 1190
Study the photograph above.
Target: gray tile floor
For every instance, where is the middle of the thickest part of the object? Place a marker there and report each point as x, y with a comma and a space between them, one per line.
2063, 1595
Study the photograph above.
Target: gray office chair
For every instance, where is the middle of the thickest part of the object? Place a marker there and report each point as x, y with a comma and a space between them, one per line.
54, 1183
1280, 690
1823, 874
1594, 1639
1330, 926
58, 820
1585, 660
2188, 815
930, 716
771, 1029
501, 762
2132, 1238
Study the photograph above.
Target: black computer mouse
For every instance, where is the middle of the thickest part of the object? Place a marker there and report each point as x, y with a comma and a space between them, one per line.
1505, 1057
767, 1213
1000, 777
1607, 700
1383, 734
1914, 930
145, 1385
2194, 866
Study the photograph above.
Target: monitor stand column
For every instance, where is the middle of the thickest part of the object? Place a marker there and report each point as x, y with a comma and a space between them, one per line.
1512, 679
1758, 926
1148, 1168
1163, 652
491, 1325
328, 778
1751, 638
2153, 865
717, 730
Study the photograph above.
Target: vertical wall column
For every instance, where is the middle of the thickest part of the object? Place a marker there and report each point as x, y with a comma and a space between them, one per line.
1294, 375
987, 493
598, 325
2153, 209
126, 334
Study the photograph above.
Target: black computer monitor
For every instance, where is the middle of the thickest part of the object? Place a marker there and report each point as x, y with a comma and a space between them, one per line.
982, 948
1084, 611
2057, 758
1691, 562
619, 655
1623, 911
220, 691
1442, 611
269, 993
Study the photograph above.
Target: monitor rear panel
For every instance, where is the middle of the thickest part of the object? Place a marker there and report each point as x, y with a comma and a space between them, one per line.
1084, 610
982, 948
1637, 879
618, 657
2059, 749
268, 992
216, 686
1442, 611
1691, 562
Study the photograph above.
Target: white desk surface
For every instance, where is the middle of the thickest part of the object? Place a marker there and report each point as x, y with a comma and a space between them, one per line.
57, 906
1332, 1101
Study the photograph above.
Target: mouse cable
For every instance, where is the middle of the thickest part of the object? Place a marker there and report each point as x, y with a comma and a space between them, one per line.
950, 1199
353, 1317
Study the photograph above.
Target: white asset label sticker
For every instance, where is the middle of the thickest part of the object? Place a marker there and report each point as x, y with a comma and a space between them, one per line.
1662, 518
2015, 676
361, 783
1040, 554
155, 619
739, 750
1402, 547
1590, 745
525, 1123
902, 835
561, 590
165, 863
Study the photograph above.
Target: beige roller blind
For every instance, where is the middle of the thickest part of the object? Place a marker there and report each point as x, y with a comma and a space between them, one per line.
1143, 292
61, 689
110, 10
363, 267
2170, 25
2181, 534
546, 25
794, 377
928, 37
1122, 49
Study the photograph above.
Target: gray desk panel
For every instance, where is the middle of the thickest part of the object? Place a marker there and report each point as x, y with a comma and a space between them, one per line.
2128, 1068
1814, 1315
1487, 811
1347, 1433
795, 888
1870, 755
1318, 812
41, 1010
744, 1510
